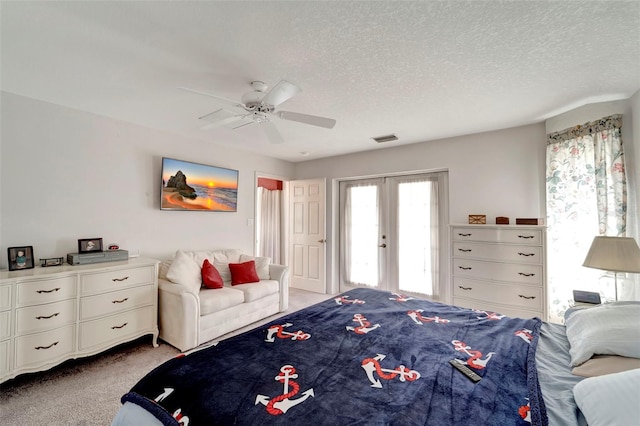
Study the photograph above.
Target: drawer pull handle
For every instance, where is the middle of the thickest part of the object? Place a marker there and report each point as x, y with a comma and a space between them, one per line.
120, 279
48, 291
464, 235
465, 268
120, 301
527, 254
46, 347
526, 297
465, 250
526, 237
465, 288
525, 275
50, 316
119, 326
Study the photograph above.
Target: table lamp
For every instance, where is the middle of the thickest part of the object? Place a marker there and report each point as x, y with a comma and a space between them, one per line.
615, 254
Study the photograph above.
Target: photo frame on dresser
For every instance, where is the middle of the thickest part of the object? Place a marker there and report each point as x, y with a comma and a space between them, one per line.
89, 245
20, 258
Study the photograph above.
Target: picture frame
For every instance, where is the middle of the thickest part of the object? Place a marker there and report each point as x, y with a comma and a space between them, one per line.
188, 186
89, 245
20, 258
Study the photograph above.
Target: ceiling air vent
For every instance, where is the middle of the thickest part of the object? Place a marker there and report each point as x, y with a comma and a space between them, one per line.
386, 138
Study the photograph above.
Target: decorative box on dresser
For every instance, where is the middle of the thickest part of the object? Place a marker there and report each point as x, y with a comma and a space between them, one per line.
500, 268
49, 315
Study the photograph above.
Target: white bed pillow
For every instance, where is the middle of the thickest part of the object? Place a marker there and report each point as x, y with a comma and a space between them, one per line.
609, 400
185, 270
609, 329
262, 265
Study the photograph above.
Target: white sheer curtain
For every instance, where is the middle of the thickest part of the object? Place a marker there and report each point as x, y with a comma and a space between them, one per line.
361, 232
268, 226
418, 263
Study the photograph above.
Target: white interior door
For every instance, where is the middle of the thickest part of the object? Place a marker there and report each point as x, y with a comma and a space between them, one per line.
307, 232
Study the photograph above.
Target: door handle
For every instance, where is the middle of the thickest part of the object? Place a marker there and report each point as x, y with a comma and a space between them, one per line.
383, 245
322, 241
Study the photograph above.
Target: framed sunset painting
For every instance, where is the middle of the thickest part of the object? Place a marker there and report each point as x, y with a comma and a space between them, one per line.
198, 187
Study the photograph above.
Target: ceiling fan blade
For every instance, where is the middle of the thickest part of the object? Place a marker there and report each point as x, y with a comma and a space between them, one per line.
307, 119
272, 132
223, 100
222, 122
279, 93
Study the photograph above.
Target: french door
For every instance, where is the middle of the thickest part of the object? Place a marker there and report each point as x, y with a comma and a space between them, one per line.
390, 233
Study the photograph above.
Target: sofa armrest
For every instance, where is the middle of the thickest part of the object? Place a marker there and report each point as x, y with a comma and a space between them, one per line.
178, 314
280, 273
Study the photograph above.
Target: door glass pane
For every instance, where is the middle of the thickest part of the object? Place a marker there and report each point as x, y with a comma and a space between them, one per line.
414, 237
363, 228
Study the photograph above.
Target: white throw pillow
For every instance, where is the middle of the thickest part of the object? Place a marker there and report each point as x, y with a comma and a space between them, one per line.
262, 265
184, 270
611, 399
609, 329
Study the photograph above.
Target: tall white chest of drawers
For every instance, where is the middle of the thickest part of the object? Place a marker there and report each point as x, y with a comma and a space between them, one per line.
49, 315
500, 268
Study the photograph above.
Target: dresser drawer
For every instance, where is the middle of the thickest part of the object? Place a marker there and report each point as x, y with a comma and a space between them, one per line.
490, 307
45, 291
517, 273
43, 347
5, 324
105, 330
5, 297
508, 253
5, 357
115, 280
525, 296
499, 235
44, 317
116, 301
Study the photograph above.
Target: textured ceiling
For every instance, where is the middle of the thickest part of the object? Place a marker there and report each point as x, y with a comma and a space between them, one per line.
422, 70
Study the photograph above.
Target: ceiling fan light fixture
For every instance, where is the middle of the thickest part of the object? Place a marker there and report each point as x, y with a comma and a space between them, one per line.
385, 138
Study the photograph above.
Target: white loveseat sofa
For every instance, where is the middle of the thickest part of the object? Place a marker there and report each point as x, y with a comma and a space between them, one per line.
190, 314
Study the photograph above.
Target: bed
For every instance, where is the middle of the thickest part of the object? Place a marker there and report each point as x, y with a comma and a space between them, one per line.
372, 357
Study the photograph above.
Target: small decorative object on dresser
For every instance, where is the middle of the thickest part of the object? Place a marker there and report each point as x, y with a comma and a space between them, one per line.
89, 244
20, 258
529, 221
51, 261
502, 220
480, 219
500, 268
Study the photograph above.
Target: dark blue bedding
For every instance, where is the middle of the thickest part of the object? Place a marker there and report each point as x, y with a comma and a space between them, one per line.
367, 357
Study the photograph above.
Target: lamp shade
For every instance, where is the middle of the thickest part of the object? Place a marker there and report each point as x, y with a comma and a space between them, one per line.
616, 254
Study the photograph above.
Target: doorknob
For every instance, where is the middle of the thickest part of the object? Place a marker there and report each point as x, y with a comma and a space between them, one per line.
322, 241
383, 245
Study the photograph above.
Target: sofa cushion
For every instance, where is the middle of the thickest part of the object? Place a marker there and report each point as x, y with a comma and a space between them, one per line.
262, 265
210, 276
242, 273
255, 291
215, 300
184, 270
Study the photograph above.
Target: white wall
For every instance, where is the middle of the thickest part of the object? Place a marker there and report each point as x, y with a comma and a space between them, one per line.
67, 174
500, 173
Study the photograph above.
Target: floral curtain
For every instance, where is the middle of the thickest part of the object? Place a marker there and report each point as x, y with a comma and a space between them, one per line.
586, 196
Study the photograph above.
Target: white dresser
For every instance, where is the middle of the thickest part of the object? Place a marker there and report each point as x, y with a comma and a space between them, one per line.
500, 268
49, 315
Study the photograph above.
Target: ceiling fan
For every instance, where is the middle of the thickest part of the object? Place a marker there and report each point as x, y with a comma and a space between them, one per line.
259, 107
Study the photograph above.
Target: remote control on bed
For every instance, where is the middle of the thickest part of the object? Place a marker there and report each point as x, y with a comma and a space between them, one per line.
465, 370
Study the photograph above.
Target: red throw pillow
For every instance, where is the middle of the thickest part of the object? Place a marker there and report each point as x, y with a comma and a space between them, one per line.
243, 273
210, 276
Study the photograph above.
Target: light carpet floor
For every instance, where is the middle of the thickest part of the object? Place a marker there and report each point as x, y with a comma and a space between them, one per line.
87, 391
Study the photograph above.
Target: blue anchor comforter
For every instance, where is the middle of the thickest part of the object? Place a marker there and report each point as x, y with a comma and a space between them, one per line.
366, 357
